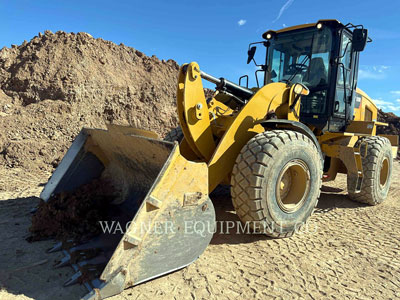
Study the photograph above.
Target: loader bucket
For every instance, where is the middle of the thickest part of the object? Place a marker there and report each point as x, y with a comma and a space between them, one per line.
163, 208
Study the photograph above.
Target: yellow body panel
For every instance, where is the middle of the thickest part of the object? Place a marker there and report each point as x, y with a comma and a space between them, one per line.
192, 148
218, 135
222, 116
361, 127
195, 112
242, 129
293, 115
180, 187
366, 104
232, 129
119, 129
394, 140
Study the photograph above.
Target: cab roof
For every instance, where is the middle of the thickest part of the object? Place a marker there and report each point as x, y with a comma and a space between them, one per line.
308, 25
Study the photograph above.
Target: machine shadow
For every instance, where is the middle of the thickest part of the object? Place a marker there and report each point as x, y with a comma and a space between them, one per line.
226, 216
25, 268
330, 199
228, 227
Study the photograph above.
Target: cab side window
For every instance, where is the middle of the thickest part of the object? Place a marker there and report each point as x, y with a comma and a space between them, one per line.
343, 87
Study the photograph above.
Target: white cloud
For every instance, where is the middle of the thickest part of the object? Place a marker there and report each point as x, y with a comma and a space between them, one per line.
367, 74
398, 100
373, 72
380, 102
396, 93
282, 10
393, 108
386, 105
241, 22
380, 69
283, 25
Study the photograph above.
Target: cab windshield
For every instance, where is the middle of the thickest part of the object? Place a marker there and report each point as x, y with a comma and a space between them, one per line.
303, 57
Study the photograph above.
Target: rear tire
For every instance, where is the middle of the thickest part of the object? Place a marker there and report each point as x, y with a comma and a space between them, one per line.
377, 168
276, 182
175, 134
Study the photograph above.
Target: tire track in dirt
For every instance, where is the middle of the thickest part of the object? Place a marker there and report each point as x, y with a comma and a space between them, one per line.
351, 251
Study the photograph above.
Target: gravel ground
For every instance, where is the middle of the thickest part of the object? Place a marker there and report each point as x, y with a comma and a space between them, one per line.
350, 251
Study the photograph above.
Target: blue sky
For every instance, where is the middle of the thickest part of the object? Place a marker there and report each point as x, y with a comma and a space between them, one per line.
215, 33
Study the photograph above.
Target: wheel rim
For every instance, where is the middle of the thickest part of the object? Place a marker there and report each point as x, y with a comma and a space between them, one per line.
384, 172
293, 185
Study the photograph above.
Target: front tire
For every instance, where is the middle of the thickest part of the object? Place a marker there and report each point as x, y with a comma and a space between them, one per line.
377, 163
276, 182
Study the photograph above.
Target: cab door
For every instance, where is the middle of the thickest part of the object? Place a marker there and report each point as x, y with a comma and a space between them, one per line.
344, 85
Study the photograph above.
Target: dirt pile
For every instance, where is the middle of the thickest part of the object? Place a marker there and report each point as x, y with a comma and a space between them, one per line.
55, 84
74, 214
392, 120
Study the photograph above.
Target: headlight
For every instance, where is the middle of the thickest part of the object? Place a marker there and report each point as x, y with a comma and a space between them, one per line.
300, 89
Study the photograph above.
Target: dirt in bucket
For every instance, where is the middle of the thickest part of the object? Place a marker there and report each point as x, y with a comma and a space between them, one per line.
74, 214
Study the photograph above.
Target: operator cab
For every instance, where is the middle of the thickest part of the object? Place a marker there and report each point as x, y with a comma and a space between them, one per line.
323, 56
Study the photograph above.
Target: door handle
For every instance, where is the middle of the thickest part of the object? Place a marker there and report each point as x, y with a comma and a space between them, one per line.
337, 105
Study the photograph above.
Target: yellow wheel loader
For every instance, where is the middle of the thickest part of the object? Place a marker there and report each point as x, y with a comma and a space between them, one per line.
274, 145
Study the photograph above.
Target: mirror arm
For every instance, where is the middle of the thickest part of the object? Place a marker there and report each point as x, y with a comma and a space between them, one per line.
254, 61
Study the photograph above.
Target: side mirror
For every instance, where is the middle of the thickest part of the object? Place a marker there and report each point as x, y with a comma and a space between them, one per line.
360, 37
250, 54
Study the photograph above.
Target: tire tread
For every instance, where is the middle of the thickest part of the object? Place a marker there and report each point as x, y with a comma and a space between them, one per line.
247, 175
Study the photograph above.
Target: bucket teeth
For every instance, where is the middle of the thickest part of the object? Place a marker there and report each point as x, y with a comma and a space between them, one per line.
87, 270
98, 260
55, 248
73, 279
91, 272
62, 245
76, 256
66, 260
